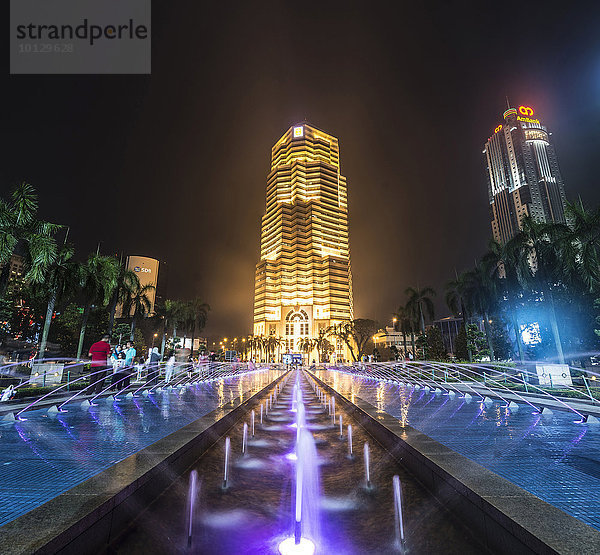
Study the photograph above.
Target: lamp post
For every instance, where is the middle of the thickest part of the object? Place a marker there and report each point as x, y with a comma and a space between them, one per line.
154, 339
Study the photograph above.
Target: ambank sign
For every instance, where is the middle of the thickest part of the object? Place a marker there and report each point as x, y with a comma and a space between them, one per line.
526, 113
143, 270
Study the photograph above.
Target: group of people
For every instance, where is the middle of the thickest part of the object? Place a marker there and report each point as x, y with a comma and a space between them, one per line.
122, 361
104, 357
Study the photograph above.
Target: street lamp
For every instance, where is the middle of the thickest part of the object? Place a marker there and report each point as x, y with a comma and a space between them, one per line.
153, 339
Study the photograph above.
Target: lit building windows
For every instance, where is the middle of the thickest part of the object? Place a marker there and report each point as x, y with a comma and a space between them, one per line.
304, 237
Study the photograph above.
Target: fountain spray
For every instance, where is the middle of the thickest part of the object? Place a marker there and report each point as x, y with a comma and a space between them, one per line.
227, 451
341, 428
367, 470
192, 493
306, 499
349, 440
261, 414
398, 512
252, 423
245, 439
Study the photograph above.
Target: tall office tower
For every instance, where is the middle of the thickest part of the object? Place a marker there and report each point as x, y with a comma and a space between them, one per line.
522, 173
146, 269
303, 280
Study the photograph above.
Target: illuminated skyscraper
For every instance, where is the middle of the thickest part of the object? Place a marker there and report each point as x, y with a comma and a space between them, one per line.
522, 173
303, 279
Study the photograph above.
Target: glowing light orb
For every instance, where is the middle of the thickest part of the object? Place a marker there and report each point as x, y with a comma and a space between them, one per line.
290, 547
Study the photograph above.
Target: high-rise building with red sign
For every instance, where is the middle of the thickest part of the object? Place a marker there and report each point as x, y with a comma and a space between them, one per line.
522, 174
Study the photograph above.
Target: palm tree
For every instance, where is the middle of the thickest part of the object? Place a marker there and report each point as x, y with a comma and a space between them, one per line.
538, 244
127, 282
406, 324
420, 303
186, 319
199, 315
264, 345
20, 230
456, 295
323, 346
581, 252
479, 294
97, 280
166, 313
271, 343
61, 278
137, 304
506, 265
306, 345
173, 316
256, 344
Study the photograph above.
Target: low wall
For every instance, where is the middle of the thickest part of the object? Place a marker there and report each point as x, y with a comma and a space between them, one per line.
88, 517
504, 516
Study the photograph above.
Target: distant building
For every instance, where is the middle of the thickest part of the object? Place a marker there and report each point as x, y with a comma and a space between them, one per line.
16, 274
303, 280
522, 174
17, 268
148, 272
392, 338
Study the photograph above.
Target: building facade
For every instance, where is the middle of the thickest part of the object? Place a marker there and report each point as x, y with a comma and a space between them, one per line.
303, 281
391, 337
147, 271
522, 174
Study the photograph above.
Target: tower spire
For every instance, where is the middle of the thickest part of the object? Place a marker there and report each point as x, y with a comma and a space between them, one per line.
507, 103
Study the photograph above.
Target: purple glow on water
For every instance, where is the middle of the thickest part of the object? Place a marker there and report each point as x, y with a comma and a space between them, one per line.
548, 455
290, 547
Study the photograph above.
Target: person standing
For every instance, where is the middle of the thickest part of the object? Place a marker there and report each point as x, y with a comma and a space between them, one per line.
99, 353
130, 353
140, 368
170, 368
117, 359
153, 367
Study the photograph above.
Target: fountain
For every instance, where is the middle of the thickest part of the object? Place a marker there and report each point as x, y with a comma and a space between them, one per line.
350, 440
227, 453
399, 519
306, 499
332, 522
192, 494
367, 470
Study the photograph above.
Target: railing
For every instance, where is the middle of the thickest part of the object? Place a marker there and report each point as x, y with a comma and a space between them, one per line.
128, 381
474, 380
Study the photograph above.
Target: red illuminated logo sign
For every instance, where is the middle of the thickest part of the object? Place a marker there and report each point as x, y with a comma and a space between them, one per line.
526, 110
498, 128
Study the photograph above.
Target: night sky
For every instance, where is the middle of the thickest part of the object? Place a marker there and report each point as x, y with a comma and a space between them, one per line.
174, 165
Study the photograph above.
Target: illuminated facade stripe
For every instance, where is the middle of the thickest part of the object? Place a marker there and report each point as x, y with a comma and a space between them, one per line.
522, 174
303, 281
